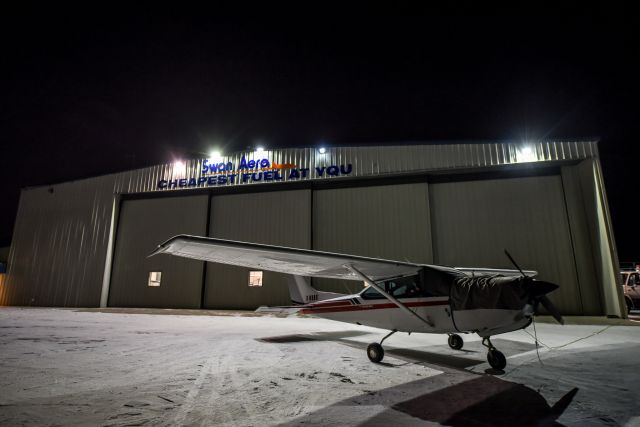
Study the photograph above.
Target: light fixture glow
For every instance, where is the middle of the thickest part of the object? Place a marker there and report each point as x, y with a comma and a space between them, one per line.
526, 154
215, 156
259, 149
179, 164
322, 150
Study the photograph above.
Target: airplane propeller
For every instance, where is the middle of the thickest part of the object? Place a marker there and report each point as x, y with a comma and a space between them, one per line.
538, 290
548, 305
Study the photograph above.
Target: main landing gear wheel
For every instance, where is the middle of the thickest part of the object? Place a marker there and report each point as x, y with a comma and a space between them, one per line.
495, 358
375, 352
455, 341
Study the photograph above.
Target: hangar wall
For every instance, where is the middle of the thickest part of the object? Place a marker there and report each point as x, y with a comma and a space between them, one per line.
59, 244
585, 253
389, 221
280, 218
63, 253
474, 222
143, 223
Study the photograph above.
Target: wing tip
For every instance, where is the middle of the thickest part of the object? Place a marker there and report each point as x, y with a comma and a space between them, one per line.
164, 246
160, 249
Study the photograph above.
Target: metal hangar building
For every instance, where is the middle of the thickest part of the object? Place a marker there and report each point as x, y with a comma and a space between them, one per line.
85, 243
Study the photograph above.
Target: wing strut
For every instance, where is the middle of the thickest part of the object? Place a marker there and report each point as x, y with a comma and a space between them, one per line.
388, 296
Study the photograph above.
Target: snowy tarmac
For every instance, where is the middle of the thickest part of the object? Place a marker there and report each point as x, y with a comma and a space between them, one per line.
72, 367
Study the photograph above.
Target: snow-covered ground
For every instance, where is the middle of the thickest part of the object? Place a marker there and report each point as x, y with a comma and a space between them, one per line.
70, 367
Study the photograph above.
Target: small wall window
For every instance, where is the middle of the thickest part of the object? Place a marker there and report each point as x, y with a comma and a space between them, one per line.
255, 278
154, 278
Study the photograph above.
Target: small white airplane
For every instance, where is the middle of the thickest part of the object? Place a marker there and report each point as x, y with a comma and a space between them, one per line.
400, 296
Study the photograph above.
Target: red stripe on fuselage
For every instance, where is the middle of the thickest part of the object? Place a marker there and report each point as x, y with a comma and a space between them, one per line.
364, 306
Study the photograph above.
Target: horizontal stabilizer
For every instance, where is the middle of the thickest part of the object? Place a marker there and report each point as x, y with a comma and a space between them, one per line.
278, 310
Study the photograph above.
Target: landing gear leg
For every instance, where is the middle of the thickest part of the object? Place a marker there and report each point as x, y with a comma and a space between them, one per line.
375, 352
455, 341
495, 358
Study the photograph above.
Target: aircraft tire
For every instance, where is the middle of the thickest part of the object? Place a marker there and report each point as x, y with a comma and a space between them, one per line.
455, 341
375, 352
496, 359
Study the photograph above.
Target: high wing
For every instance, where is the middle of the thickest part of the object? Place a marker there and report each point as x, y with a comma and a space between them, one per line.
501, 271
302, 262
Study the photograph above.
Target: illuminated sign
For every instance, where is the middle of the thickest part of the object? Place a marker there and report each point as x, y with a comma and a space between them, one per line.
260, 170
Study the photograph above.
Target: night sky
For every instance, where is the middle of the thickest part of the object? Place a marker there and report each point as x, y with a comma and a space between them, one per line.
107, 95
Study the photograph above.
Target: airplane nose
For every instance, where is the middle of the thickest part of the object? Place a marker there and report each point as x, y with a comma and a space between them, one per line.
537, 288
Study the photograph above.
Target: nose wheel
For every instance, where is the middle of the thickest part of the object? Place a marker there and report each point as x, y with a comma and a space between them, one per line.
375, 352
495, 358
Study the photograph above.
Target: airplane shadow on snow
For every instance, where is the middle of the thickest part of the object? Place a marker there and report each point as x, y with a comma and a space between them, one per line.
483, 400
319, 336
440, 355
475, 400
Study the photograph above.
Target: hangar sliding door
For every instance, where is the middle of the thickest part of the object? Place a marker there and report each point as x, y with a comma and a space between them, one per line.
277, 218
474, 221
142, 226
389, 221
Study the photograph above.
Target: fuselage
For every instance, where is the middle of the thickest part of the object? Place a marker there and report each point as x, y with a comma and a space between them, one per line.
361, 309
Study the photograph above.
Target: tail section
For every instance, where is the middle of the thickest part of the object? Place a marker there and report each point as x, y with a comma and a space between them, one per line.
301, 291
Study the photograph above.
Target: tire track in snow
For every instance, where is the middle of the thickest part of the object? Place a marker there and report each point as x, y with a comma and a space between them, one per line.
218, 402
190, 400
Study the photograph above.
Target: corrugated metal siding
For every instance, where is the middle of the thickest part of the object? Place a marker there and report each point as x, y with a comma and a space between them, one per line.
390, 222
381, 160
280, 218
601, 235
473, 222
143, 225
583, 245
60, 239
59, 244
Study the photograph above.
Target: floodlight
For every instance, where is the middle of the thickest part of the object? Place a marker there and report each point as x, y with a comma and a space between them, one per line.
526, 154
215, 156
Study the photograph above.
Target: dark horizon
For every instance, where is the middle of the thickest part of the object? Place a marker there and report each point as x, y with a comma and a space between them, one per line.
96, 97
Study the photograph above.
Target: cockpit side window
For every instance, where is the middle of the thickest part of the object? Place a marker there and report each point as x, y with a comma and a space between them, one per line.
371, 293
402, 287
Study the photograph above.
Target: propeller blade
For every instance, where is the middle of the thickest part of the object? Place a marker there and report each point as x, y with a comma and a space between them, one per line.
548, 305
514, 262
538, 288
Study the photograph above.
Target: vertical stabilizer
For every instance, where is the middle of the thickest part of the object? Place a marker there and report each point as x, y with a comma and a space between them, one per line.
301, 291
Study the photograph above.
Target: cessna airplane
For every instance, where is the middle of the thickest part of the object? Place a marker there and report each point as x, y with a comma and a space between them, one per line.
400, 296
